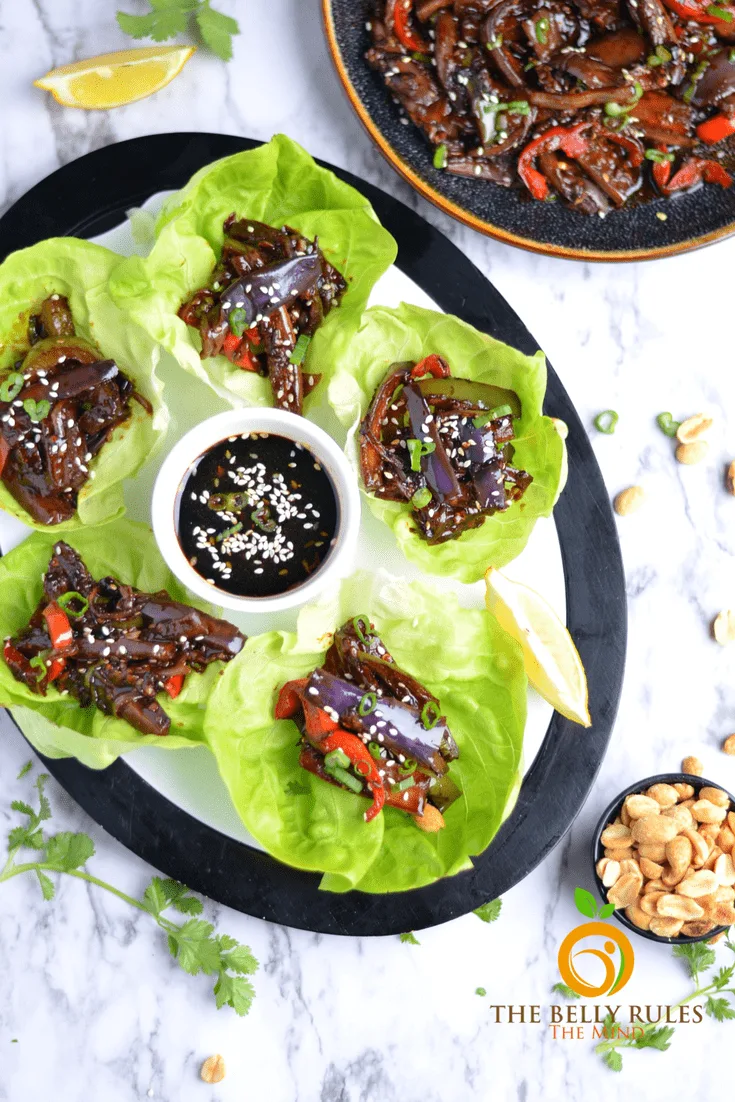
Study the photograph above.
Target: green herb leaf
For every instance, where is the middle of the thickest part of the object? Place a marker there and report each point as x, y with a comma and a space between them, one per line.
698, 957
410, 938
658, 1037
216, 29
26, 769
66, 851
719, 1009
167, 19
47, 885
613, 1060
489, 912
480, 991
565, 991
723, 977
234, 991
585, 902
238, 959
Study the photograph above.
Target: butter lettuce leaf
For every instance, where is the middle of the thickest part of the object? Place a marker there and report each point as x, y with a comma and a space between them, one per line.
81, 271
56, 725
388, 336
475, 670
278, 183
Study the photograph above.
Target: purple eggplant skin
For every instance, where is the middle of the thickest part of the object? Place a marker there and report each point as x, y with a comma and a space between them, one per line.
333, 694
264, 290
436, 466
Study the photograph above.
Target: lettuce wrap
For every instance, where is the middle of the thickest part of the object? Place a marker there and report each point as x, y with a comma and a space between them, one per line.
409, 333
81, 271
277, 183
476, 672
56, 725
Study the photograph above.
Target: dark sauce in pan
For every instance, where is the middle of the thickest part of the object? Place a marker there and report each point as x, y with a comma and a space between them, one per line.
257, 515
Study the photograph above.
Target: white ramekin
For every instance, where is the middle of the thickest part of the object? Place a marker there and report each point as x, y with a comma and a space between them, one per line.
165, 503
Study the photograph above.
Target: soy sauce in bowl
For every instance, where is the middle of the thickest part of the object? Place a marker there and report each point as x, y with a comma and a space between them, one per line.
257, 515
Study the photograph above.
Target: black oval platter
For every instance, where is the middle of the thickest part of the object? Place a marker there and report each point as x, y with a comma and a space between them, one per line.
90, 196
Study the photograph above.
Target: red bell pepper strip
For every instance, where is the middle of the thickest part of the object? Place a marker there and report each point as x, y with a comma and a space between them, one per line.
661, 170
237, 351
59, 630
567, 139
317, 722
174, 685
290, 698
364, 765
716, 129
430, 365
10, 654
4, 453
630, 145
696, 170
405, 33
689, 9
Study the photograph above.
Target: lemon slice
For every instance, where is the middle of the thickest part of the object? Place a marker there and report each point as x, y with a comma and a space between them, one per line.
552, 662
112, 80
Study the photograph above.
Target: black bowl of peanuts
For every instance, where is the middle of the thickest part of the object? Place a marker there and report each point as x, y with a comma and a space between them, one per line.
664, 854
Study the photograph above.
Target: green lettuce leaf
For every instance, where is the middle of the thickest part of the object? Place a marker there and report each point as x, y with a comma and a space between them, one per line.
477, 674
55, 724
387, 336
81, 271
277, 183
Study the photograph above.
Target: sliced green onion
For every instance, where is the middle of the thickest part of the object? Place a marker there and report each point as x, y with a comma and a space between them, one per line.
228, 503
495, 42
402, 786
660, 57
367, 705
529, 65
375, 750
64, 601
336, 759
11, 386
228, 532
262, 519
237, 321
421, 498
606, 421
38, 662
346, 779
37, 410
667, 424
696, 75
499, 411
299, 351
357, 623
430, 714
658, 156
719, 13
407, 766
731, 56
420, 57
440, 156
542, 30
517, 107
417, 449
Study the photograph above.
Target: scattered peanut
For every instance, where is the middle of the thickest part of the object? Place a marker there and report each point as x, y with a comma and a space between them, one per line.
213, 1069
730, 478
692, 765
669, 860
729, 744
694, 428
723, 627
629, 501
689, 454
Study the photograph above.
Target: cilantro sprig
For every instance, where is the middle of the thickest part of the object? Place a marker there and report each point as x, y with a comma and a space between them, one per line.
716, 991
168, 18
489, 912
194, 944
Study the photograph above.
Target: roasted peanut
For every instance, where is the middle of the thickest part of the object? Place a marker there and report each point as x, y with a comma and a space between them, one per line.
704, 811
213, 1069
678, 906
653, 828
723, 627
666, 927
629, 501
694, 428
701, 882
638, 806
692, 765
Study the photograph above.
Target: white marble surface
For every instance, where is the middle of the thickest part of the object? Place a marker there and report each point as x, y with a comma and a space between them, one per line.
86, 986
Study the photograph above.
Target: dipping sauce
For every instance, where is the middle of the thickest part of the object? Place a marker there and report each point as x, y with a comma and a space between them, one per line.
257, 515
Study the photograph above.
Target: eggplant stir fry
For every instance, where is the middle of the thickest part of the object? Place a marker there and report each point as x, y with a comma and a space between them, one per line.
443, 446
112, 646
369, 727
573, 100
58, 407
266, 298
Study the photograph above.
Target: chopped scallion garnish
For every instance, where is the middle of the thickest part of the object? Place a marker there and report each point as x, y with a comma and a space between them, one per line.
417, 449
345, 778
334, 759
361, 624
237, 321
64, 601
11, 386
38, 662
421, 498
658, 156
440, 156
299, 351
430, 714
719, 13
606, 421
667, 424
542, 30
368, 704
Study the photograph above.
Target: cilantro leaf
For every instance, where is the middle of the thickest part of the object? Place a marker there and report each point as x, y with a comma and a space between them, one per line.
47, 885
488, 912
188, 905
566, 991
67, 851
614, 1060
216, 30
410, 938
26, 769
23, 808
719, 1009
697, 956
659, 1038
234, 991
167, 19
154, 896
240, 960
723, 977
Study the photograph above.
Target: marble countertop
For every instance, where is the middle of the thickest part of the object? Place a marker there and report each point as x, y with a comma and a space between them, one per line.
90, 1004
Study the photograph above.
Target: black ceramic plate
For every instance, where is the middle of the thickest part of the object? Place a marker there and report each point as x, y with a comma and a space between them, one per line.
692, 220
91, 195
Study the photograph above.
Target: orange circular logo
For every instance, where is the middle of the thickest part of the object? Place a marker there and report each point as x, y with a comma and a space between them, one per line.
617, 972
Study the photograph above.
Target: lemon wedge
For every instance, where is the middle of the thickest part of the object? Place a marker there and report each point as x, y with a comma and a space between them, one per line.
112, 80
552, 662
